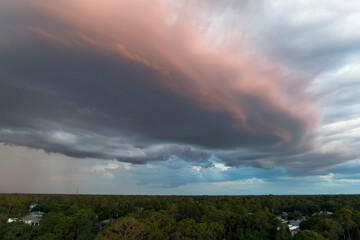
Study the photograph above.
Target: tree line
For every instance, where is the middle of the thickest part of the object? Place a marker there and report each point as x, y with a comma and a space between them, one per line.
108, 217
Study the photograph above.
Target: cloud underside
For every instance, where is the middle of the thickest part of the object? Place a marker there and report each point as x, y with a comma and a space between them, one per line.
94, 81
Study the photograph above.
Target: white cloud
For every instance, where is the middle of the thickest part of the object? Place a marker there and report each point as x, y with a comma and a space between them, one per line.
102, 167
197, 168
220, 166
63, 137
241, 182
329, 177
106, 168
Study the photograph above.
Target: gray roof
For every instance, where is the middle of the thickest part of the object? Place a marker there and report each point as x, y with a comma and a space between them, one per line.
36, 214
30, 218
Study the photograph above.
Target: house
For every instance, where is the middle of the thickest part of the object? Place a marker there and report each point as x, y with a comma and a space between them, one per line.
31, 220
294, 222
10, 220
32, 206
104, 223
323, 212
294, 229
293, 225
284, 214
37, 214
326, 213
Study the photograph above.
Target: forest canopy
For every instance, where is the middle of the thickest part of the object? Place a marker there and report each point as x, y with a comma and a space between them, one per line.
180, 217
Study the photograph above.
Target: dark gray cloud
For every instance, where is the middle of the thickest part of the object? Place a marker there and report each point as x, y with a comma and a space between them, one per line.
72, 88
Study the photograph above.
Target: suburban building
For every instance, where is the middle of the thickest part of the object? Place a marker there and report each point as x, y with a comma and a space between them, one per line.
31, 220
294, 230
10, 220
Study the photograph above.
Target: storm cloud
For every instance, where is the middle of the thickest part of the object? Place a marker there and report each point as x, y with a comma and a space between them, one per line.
138, 81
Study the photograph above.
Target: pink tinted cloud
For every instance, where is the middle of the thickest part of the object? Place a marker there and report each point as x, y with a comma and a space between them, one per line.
234, 79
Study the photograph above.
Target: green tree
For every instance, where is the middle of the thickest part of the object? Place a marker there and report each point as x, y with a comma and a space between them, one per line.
162, 222
329, 228
3, 218
46, 236
186, 228
127, 228
84, 224
344, 217
16, 230
308, 235
65, 229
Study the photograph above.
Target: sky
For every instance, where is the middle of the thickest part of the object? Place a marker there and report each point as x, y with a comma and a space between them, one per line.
180, 97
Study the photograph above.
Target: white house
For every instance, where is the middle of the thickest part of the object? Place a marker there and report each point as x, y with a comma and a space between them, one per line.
32, 206
31, 220
294, 229
10, 220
